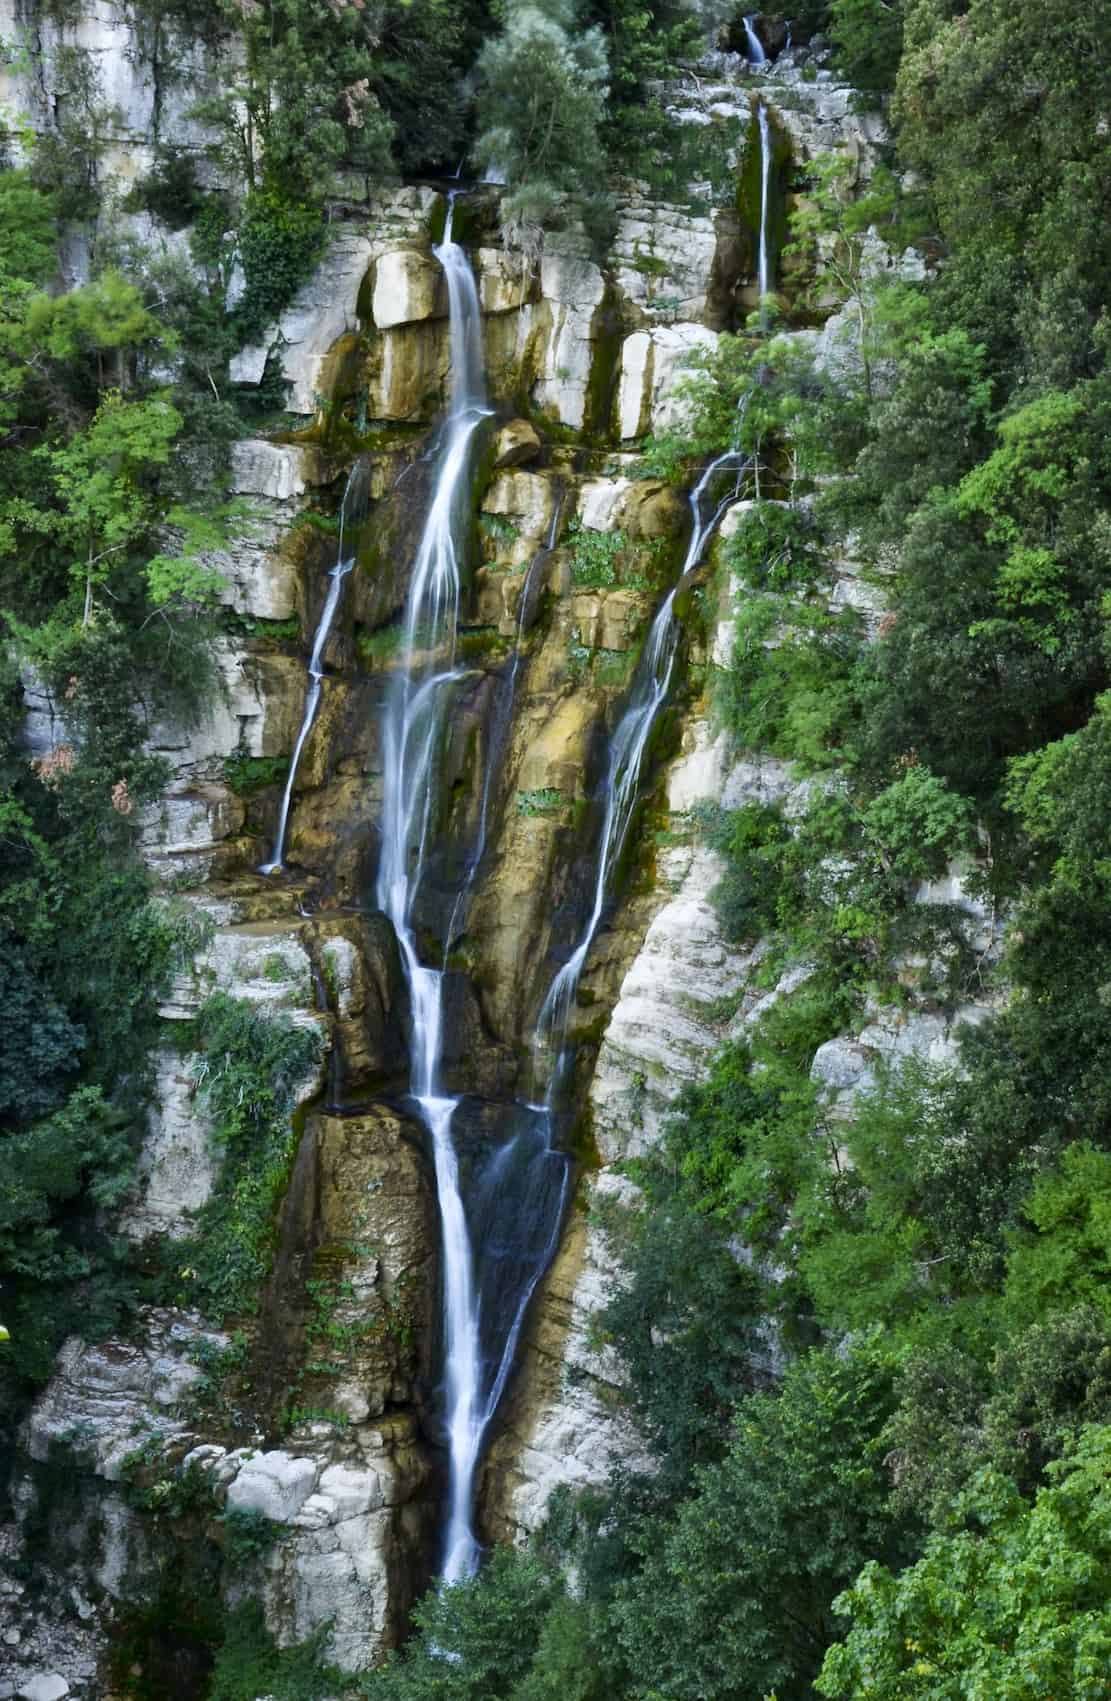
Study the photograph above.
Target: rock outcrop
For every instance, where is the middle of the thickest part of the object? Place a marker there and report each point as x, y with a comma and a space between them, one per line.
314, 1419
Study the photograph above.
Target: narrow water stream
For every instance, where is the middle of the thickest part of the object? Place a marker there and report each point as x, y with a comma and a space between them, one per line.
651, 682
763, 274
352, 509
418, 702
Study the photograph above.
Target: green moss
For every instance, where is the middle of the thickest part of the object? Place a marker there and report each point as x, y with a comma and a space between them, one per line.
247, 775
549, 800
479, 643
380, 646
605, 364
248, 1075
613, 669
274, 631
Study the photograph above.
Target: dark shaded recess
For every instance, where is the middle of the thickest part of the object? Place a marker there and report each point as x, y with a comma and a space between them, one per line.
514, 1185
771, 30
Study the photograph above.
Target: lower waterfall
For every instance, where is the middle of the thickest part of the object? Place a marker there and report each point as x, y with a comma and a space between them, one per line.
413, 723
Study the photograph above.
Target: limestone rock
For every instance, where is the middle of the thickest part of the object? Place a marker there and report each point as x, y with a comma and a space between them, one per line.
176, 1169
504, 281
651, 361
275, 1485
516, 443
573, 288
254, 711
555, 757
525, 500
266, 963
407, 370
666, 1025
663, 257
48, 1686
113, 1392
322, 311
408, 286
644, 508
563, 1424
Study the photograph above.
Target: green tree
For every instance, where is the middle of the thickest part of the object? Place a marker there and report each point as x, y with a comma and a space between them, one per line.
1011, 1607
540, 102
764, 1544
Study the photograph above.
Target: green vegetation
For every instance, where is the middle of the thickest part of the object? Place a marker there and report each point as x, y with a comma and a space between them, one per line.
248, 1072
547, 801
594, 555
541, 100
248, 774
868, 1344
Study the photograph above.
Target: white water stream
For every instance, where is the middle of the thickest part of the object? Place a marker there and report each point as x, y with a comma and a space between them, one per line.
754, 47
501, 1211
626, 754
763, 275
413, 726
352, 507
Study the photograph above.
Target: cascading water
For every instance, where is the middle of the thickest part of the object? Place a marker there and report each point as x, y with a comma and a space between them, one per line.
754, 48
352, 507
501, 1207
413, 722
626, 753
503, 718
763, 275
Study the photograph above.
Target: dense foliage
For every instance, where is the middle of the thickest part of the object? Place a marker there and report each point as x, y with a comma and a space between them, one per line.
869, 1348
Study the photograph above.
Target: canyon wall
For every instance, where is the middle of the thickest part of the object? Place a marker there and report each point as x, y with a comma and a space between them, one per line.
314, 1416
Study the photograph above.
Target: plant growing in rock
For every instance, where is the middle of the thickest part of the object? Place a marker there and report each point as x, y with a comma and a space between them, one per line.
541, 100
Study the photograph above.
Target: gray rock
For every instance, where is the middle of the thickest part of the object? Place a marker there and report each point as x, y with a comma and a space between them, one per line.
276, 1484
50, 1686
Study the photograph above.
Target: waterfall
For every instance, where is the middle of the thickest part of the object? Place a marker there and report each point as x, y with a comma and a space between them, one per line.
626, 754
754, 51
763, 277
355, 497
504, 718
414, 721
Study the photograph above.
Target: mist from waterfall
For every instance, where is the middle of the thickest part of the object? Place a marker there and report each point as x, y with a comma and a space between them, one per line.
353, 508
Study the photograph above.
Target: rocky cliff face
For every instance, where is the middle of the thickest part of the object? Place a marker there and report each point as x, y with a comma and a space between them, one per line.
317, 1413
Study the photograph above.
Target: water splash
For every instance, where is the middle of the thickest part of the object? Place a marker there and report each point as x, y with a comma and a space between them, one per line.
356, 495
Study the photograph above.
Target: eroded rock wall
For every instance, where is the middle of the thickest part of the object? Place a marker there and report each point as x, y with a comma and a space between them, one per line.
322, 1420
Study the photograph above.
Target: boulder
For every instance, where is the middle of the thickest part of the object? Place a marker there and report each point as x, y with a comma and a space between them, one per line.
275, 1484
47, 1686
516, 443
408, 287
504, 283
